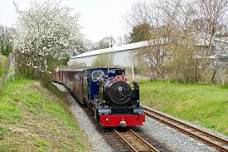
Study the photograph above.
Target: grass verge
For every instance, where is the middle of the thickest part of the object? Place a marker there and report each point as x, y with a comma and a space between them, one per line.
206, 105
33, 119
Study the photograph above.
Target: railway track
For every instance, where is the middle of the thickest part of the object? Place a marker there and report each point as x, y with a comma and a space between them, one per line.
208, 138
135, 142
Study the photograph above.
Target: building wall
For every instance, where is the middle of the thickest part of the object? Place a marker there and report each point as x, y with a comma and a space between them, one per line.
124, 59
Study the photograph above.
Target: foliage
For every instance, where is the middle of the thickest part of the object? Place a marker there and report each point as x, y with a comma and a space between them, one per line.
205, 105
77, 65
6, 40
141, 67
159, 33
213, 13
123, 39
3, 61
106, 42
183, 65
9, 71
45, 32
181, 35
104, 60
31, 118
141, 32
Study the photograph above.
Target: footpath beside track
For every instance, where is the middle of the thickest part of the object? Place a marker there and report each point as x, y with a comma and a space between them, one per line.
199, 134
135, 142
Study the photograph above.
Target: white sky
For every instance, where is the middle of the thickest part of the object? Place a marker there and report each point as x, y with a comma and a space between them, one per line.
98, 18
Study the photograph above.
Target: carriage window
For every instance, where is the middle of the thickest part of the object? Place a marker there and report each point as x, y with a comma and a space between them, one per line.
77, 78
97, 75
70, 76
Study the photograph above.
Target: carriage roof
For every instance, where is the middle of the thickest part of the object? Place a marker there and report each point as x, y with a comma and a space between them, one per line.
89, 69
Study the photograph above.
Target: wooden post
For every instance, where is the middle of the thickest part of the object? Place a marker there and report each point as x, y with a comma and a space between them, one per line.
133, 72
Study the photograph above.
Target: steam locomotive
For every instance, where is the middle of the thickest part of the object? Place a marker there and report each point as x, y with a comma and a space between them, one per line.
106, 92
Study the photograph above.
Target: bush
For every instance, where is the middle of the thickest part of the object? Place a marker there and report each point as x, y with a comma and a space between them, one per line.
102, 61
3, 61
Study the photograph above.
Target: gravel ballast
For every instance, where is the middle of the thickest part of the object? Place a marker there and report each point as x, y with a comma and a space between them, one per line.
173, 139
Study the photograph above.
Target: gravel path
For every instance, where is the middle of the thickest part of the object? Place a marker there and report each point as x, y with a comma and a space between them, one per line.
96, 140
174, 140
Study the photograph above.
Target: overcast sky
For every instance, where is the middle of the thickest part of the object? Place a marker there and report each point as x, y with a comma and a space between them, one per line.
98, 18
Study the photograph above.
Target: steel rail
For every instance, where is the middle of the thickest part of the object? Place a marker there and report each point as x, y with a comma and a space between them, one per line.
206, 137
135, 142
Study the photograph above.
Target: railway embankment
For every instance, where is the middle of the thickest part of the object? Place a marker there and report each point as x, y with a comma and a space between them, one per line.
33, 119
204, 105
89, 126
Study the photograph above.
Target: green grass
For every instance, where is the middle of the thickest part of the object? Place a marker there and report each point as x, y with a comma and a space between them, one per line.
206, 105
33, 119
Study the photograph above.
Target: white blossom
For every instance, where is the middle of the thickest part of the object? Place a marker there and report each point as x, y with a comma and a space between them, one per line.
46, 30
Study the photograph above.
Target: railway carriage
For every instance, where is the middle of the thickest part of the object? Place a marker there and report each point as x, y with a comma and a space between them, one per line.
113, 100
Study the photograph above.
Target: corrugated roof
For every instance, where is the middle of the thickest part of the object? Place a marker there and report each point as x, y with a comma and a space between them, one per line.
131, 46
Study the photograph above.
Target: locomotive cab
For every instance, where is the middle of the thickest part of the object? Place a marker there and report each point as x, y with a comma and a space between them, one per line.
114, 101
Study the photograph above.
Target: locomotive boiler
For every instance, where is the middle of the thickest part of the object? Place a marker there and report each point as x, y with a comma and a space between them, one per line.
113, 100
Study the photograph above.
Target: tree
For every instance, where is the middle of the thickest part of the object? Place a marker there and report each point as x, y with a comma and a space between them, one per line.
106, 42
86, 45
141, 32
104, 60
184, 38
149, 24
124, 39
6, 40
212, 12
182, 34
46, 32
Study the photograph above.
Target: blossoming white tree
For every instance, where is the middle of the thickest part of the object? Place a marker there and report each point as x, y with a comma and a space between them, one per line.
44, 32
6, 38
